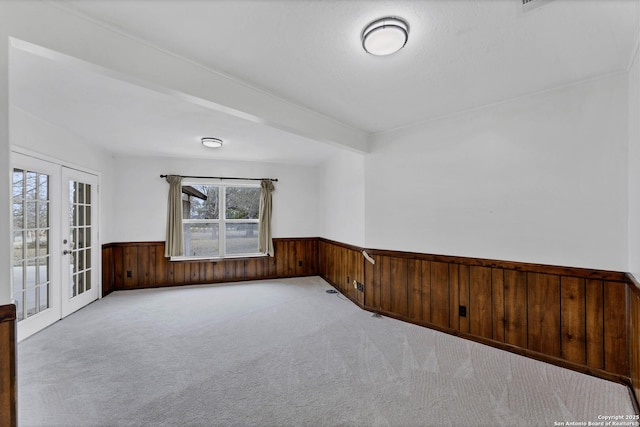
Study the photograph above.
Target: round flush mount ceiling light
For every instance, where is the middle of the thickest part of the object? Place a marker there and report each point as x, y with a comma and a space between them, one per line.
212, 142
385, 36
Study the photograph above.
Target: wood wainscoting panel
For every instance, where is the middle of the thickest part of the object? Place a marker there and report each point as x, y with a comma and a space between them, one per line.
356, 264
136, 265
371, 288
146, 259
543, 313
107, 271
440, 306
497, 304
118, 266
383, 271
340, 271
176, 274
515, 308
346, 272
325, 257
341, 265
283, 262
583, 319
615, 335
159, 268
219, 271
8, 380
594, 312
414, 289
634, 336
458, 296
233, 270
426, 291
454, 294
257, 268
130, 260
399, 284
573, 319
480, 304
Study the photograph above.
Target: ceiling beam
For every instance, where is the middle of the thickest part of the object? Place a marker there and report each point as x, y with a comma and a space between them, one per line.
47, 29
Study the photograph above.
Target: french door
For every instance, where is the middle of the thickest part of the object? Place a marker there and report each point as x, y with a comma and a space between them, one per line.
79, 240
55, 260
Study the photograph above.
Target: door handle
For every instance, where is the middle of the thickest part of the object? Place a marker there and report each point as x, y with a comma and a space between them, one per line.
66, 252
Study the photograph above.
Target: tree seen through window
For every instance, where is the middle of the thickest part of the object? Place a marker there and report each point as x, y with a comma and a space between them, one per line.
207, 233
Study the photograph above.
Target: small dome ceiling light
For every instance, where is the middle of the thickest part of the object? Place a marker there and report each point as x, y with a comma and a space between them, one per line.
212, 142
385, 36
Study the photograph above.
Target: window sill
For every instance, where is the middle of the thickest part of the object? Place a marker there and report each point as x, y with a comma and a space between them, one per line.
215, 259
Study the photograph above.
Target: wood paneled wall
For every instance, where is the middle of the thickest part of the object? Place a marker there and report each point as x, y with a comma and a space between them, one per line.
572, 317
135, 265
340, 265
634, 337
8, 395
582, 319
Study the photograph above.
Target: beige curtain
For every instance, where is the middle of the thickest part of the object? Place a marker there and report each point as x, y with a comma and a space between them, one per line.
265, 242
174, 246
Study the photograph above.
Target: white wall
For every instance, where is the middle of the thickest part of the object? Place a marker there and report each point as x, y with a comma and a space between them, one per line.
140, 204
537, 179
341, 192
5, 171
44, 24
52, 143
634, 168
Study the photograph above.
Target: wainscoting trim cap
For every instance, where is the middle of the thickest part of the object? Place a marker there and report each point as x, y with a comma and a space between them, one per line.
633, 281
127, 244
614, 276
344, 245
161, 242
586, 273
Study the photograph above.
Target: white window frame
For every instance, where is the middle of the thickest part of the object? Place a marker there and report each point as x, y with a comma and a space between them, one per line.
222, 221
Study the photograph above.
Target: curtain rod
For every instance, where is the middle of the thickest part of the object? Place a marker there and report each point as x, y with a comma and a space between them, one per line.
226, 177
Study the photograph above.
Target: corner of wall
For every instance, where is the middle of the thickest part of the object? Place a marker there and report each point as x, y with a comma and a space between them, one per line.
633, 202
341, 198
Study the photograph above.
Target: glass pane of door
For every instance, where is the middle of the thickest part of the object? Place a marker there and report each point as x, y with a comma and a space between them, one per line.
80, 230
80, 270
31, 252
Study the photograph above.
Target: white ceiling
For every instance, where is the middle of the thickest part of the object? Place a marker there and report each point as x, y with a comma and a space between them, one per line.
127, 119
461, 54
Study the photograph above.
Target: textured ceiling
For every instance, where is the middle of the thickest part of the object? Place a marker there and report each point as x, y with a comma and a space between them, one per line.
461, 54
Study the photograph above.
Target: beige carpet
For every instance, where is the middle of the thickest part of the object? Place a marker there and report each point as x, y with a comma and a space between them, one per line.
282, 353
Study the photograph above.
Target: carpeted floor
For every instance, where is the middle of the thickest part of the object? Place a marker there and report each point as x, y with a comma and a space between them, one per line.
282, 353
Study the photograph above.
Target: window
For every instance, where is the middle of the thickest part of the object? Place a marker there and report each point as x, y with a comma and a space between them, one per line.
220, 220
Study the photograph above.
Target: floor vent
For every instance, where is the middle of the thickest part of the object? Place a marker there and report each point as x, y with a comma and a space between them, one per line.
529, 5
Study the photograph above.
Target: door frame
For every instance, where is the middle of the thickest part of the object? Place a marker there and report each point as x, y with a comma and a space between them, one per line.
25, 332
